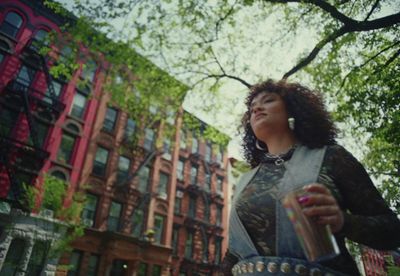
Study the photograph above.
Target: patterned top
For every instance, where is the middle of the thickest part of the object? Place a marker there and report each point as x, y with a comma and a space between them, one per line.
368, 220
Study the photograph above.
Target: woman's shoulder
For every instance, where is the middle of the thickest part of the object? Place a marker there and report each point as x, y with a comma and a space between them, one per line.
338, 151
340, 159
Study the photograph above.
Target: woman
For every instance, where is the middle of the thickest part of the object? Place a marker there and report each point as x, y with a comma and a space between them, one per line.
289, 141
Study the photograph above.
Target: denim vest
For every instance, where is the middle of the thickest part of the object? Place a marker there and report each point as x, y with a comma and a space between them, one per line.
302, 169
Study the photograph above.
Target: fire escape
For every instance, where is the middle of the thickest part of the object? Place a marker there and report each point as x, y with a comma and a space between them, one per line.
21, 153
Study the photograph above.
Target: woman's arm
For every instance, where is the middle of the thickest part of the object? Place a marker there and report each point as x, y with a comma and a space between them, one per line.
369, 220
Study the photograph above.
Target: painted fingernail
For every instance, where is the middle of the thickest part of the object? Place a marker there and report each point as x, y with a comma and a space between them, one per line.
303, 199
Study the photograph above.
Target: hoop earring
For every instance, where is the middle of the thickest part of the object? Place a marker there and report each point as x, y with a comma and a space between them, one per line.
291, 121
258, 146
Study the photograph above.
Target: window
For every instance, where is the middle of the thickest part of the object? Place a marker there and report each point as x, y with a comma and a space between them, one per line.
39, 40
182, 143
137, 222
217, 251
11, 24
219, 184
207, 156
219, 216
57, 86
124, 165
129, 129
100, 161
59, 174
163, 183
167, 149
78, 105
192, 207
180, 169
65, 54
178, 205
193, 175
142, 270
110, 119
41, 132
189, 245
8, 121
41, 35
158, 228
89, 210
195, 145
206, 214
156, 270
37, 258
149, 139
93, 265
75, 263
119, 267
26, 75
14, 257
205, 249
207, 177
89, 70
114, 216
175, 239
144, 177
66, 148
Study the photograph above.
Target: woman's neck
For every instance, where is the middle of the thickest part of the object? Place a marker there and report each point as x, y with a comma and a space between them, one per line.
278, 145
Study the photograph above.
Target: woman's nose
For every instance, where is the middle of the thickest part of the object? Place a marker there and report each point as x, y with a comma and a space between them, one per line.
257, 108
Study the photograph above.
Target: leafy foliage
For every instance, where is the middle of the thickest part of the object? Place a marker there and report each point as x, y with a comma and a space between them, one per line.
354, 59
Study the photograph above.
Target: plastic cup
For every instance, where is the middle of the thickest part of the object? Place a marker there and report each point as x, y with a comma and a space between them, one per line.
316, 240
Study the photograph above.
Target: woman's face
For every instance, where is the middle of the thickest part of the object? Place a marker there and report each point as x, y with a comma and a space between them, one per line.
268, 115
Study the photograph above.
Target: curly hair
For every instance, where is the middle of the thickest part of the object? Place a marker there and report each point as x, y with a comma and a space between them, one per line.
313, 128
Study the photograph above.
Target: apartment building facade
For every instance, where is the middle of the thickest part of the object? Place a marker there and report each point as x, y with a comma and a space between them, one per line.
155, 206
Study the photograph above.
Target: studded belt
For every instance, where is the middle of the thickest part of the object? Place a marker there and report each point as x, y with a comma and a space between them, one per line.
264, 265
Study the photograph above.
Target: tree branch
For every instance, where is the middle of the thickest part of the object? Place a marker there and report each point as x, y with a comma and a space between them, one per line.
365, 63
335, 13
304, 62
374, 6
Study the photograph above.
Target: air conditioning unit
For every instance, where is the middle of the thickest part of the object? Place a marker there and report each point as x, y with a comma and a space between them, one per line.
87, 222
179, 194
167, 156
162, 195
47, 213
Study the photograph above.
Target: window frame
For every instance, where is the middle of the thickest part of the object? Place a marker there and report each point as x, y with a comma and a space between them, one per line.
109, 124
104, 170
16, 29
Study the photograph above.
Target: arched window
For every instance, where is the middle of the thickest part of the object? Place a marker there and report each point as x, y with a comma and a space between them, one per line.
41, 35
39, 39
73, 128
59, 174
11, 24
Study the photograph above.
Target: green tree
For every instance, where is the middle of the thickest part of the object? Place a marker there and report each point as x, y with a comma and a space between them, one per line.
355, 58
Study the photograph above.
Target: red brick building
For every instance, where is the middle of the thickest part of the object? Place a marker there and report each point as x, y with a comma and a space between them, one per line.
150, 210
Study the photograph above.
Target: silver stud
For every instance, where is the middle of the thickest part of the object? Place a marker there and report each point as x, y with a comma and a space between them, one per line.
244, 268
250, 267
285, 267
301, 269
315, 272
260, 266
272, 267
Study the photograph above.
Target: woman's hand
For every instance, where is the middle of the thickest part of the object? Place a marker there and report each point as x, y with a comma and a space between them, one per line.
320, 204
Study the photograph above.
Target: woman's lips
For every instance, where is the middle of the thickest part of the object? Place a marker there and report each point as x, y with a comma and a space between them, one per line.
258, 116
